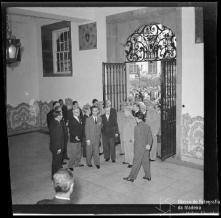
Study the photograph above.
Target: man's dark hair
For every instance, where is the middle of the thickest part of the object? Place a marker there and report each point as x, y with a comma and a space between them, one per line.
60, 100
140, 115
74, 102
94, 100
62, 180
55, 102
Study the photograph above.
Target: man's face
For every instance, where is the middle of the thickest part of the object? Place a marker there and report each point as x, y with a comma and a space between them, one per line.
107, 110
108, 103
96, 103
135, 107
76, 112
61, 102
126, 112
94, 111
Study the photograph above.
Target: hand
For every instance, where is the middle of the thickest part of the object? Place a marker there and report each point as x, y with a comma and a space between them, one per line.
148, 147
58, 151
116, 134
88, 142
76, 137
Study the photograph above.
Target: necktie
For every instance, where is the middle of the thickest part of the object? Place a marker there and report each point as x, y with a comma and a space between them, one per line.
95, 120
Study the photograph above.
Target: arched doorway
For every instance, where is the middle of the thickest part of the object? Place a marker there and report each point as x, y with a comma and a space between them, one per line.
149, 44
157, 43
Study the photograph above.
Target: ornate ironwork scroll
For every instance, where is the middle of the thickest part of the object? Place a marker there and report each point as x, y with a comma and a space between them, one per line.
151, 42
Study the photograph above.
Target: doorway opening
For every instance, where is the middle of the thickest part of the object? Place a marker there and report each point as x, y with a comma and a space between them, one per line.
148, 75
151, 55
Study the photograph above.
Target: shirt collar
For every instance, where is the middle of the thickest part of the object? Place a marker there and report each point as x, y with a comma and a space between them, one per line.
63, 198
76, 117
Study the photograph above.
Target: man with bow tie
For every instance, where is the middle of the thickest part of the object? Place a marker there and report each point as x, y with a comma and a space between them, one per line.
76, 135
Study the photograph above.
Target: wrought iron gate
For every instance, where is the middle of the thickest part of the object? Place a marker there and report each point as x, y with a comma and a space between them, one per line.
115, 83
168, 108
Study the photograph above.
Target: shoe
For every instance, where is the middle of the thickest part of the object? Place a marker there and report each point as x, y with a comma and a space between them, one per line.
89, 165
81, 165
98, 167
113, 161
124, 162
128, 179
147, 178
64, 163
107, 159
130, 166
67, 158
121, 153
100, 153
152, 160
71, 169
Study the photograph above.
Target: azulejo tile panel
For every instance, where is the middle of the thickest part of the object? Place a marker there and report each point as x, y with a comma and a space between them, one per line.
26, 117
192, 136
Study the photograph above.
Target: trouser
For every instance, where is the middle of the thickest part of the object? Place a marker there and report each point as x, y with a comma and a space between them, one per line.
129, 152
153, 152
65, 155
122, 147
109, 148
75, 154
143, 160
158, 147
92, 150
57, 160
101, 146
83, 145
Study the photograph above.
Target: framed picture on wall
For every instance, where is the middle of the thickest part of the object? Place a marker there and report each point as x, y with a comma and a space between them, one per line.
88, 36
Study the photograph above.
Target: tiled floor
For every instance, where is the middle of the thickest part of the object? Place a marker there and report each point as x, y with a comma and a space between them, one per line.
30, 165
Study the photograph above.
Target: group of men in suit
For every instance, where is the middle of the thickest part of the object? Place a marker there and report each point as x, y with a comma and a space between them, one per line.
85, 131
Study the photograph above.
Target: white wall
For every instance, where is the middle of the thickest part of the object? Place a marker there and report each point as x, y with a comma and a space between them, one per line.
86, 82
192, 66
22, 79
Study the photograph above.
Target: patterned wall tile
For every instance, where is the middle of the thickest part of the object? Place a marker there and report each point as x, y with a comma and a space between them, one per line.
192, 137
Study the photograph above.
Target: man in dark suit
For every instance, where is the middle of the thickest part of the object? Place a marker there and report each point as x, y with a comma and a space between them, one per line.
64, 126
50, 113
57, 140
94, 103
76, 105
64, 109
86, 112
109, 131
63, 182
76, 136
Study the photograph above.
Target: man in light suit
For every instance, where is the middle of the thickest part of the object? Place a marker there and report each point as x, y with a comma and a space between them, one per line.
143, 141
93, 136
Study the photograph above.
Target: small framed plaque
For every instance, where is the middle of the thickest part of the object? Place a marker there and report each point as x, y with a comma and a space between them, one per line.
88, 36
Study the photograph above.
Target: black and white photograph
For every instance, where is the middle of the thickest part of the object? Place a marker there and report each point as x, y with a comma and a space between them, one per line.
105, 106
